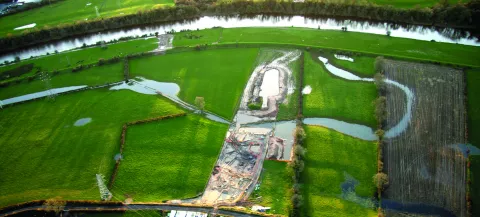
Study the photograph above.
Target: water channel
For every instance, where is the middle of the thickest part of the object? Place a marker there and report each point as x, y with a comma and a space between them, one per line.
448, 35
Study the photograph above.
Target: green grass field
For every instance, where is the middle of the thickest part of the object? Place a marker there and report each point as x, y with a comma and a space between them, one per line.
217, 75
473, 93
410, 3
329, 156
169, 159
70, 59
43, 155
334, 97
275, 188
289, 109
70, 11
362, 66
91, 77
349, 41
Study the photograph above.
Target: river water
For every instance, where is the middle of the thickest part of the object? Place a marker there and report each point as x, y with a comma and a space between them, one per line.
448, 35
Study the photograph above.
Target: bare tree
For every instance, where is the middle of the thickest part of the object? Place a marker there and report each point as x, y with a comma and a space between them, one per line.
200, 103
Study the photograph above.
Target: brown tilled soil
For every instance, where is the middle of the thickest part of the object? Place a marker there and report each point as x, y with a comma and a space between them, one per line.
421, 163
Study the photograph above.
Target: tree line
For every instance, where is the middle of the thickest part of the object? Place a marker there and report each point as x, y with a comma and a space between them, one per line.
446, 15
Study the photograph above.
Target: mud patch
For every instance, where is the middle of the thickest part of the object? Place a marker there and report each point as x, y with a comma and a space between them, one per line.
82, 122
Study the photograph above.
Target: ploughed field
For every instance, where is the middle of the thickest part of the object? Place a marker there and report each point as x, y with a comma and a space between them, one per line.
424, 163
55, 147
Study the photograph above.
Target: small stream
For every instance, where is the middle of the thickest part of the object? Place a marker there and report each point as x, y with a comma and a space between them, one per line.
447, 35
356, 130
40, 94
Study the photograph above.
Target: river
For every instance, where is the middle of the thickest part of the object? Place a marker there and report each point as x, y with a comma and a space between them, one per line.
447, 35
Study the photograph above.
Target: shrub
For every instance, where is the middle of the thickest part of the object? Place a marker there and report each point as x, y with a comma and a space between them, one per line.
379, 62
380, 133
55, 204
380, 180
101, 61
380, 109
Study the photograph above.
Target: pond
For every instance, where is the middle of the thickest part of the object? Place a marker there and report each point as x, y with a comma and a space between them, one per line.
448, 35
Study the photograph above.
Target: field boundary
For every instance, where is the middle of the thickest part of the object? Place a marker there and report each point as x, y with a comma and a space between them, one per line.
124, 134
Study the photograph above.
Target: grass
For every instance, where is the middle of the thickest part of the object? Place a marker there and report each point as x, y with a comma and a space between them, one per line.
337, 98
169, 159
217, 75
70, 59
70, 11
128, 213
289, 109
275, 188
410, 3
473, 93
362, 66
45, 156
347, 41
91, 77
330, 155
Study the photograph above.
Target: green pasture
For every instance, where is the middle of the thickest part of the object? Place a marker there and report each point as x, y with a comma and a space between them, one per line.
218, 75
93, 76
330, 155
473, 93
169, 159
334, 97
70, 59
362, 66
335, 39
275, 188
44, 155
289, 109
70, 11
411, 3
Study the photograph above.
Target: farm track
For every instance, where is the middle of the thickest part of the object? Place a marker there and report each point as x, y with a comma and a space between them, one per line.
422, 162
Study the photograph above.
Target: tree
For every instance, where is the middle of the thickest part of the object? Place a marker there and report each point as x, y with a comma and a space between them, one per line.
381, 109
17, 59
381, 180
379, 62
54, 204
389, 32
200, 103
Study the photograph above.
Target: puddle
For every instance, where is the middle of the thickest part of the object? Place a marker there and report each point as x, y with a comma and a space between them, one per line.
150, 87
283, 130
40, 94
402, 125
118, 157
349, 194
307, 90
166, 89
355, 130
343, 57
340, 72
270, 85
26, 26
82, 122
465, 147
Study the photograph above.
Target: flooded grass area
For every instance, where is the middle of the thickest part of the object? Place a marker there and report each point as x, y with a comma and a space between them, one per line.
362, 66
274, 188
217, 75
337, 98
420, 162
168, 159
330, 155
373, 44
90, 77
70, 59
35, 134
77, 10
